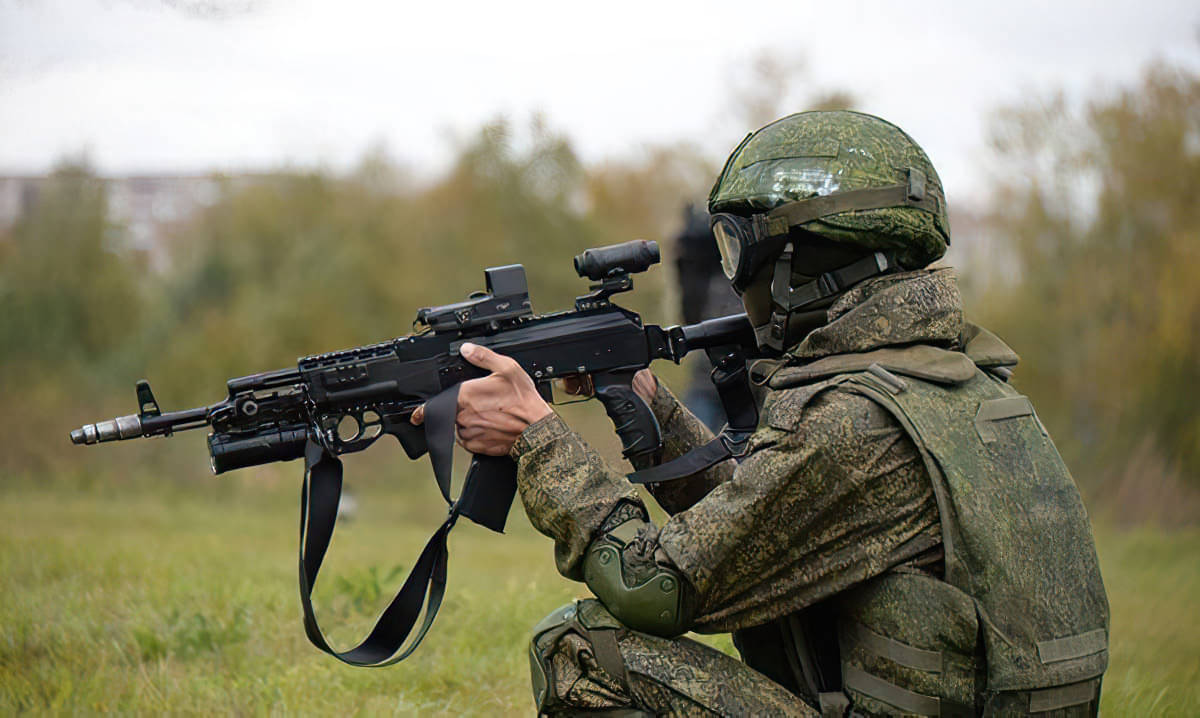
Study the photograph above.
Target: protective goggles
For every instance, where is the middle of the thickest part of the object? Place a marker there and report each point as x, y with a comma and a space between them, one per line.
744, 243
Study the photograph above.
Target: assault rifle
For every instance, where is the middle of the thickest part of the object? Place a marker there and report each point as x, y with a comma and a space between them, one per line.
342, 402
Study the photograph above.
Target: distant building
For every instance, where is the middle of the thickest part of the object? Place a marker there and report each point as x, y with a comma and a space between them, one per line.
17, 196
145, 205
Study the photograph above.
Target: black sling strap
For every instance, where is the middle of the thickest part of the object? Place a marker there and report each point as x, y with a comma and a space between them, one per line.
732, 381
693, 462
487, 495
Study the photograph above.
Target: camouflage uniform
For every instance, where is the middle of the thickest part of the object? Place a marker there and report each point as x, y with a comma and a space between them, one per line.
902, 537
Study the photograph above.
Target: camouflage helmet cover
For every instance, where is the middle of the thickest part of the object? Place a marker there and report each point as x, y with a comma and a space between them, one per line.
819, 153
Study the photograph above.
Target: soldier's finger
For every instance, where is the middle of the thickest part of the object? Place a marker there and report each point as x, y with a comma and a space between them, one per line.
495, 421
470, 432
418, 416
485, 358
645, 384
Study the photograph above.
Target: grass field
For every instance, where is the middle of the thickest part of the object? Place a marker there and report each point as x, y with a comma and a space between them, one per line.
182, 599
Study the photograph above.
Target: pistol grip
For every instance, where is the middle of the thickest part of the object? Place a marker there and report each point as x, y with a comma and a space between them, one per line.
633, 420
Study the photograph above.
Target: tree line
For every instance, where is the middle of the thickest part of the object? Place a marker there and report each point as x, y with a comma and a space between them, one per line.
1092, 238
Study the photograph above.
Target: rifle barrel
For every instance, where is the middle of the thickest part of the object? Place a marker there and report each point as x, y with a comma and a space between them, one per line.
135, 426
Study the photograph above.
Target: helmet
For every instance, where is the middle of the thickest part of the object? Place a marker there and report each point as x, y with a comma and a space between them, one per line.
827, 154
849, 191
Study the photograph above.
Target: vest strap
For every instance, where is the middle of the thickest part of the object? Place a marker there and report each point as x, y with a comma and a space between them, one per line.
1070, 647
894, 383
1075, 694
890, 693
899, 653
902, 698
994, 410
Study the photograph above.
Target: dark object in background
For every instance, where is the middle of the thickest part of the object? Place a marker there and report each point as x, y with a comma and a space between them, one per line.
703, 292
342, 402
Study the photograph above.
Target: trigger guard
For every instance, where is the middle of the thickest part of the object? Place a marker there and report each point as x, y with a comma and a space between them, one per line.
328, 431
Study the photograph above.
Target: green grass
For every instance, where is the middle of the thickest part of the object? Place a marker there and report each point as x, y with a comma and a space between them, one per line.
183, 599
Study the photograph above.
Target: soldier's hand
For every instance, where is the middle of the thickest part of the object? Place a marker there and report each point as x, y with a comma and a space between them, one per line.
495, 409
645, 385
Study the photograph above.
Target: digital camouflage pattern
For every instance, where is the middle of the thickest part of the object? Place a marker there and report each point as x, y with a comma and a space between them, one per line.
660, 676
833, 518
832, 493
1023, 548
827, 152
898, 303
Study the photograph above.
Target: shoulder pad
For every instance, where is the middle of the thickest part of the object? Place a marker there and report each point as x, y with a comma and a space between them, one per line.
920, 361
986, 349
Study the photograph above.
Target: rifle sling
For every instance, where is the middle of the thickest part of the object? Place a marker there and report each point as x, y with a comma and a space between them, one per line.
693, 462
487, 494
732, 383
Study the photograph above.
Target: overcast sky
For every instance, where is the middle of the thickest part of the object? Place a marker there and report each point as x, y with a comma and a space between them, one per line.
171, 85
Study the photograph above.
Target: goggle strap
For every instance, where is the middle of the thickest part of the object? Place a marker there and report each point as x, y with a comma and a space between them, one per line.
912, 194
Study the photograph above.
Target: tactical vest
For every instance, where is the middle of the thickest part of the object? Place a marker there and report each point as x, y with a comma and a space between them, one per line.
1019, 623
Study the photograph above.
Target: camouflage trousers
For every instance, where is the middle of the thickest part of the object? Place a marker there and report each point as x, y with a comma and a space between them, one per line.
583, 661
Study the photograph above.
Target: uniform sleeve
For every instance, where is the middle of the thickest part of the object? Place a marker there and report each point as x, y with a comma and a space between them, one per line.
832, 493
567, 488
682, 432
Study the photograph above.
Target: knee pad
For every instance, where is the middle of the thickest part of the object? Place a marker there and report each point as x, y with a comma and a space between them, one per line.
589, 620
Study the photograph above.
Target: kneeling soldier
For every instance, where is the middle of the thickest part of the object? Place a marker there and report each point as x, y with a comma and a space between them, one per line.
901, 537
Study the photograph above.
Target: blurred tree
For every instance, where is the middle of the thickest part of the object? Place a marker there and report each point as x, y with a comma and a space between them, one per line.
510, 197
774, 84
298, 263
1098, 211
68, 284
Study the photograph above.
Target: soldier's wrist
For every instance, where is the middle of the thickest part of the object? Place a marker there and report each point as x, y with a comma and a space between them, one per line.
664, 405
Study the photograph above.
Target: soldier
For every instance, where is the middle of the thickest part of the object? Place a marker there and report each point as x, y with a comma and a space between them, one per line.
901, 536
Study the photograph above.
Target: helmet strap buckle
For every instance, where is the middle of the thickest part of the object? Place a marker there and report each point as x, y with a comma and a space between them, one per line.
787, 300
776, 334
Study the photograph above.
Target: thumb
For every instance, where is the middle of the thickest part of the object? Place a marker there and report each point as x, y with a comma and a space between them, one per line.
484, 358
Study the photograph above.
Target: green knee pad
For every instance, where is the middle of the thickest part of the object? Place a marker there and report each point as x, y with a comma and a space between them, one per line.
651, 604
558, 619
582, 617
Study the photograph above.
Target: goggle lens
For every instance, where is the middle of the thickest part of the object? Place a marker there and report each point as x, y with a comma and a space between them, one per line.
729, 244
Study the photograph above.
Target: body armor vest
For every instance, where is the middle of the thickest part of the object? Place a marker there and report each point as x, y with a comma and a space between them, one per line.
1018, 625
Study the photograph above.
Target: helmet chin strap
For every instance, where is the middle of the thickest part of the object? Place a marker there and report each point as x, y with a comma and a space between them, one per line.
799, 325
787, 301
